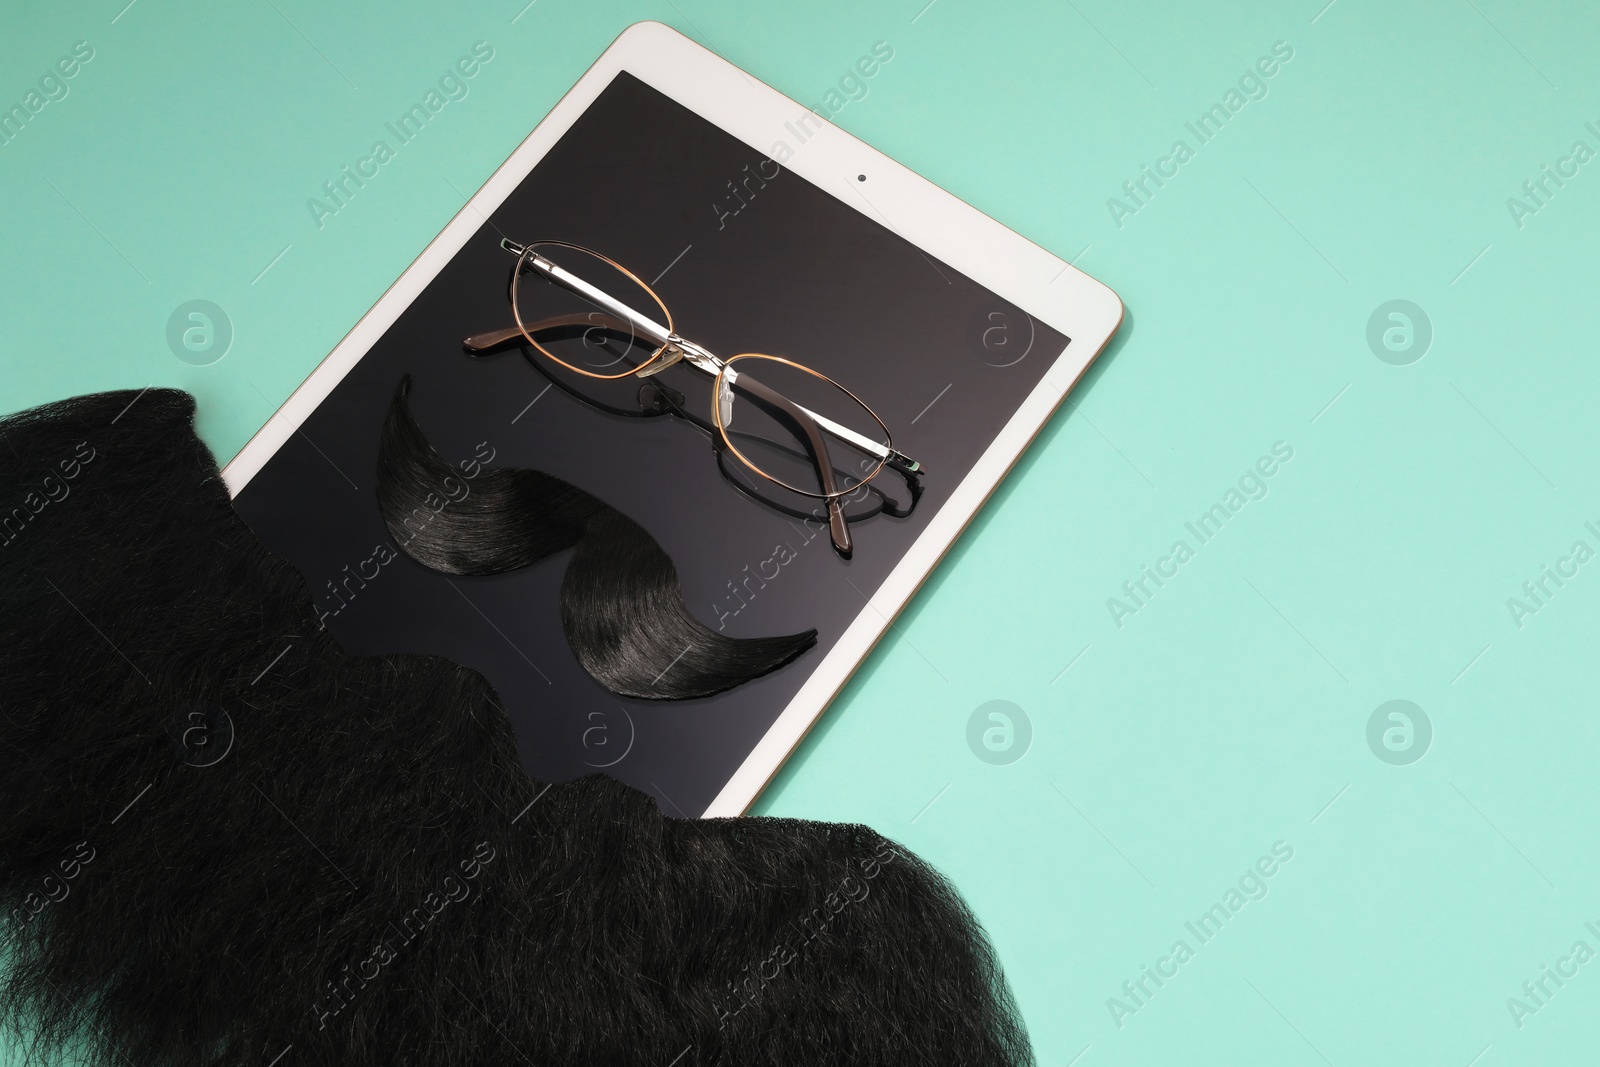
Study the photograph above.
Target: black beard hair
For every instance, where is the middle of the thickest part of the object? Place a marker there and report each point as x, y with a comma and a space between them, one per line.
621, 605
223, 840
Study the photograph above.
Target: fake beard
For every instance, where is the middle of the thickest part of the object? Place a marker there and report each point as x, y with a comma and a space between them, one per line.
223, 840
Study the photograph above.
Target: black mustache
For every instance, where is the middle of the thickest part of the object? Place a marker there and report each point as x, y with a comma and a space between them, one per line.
226, 842
621, 604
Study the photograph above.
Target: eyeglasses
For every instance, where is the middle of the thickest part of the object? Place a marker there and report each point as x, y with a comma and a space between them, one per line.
794, 427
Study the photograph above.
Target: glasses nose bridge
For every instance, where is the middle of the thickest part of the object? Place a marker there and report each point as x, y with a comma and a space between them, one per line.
697, 354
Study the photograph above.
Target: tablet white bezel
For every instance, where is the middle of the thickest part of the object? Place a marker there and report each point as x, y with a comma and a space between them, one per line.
945, 227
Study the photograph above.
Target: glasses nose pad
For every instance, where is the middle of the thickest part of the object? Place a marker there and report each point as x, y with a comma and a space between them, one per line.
658, 399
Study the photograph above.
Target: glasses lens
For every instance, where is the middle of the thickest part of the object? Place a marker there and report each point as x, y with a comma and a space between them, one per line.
578, 331
771, 413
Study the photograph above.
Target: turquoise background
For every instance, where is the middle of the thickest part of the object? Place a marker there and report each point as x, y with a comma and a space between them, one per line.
1230, 712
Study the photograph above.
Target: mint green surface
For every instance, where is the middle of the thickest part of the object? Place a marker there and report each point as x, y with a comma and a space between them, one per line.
1230, 711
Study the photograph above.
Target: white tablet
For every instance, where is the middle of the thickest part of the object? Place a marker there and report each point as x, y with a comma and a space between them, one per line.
762, 228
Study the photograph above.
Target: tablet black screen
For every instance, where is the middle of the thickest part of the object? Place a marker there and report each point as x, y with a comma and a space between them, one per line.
749, 256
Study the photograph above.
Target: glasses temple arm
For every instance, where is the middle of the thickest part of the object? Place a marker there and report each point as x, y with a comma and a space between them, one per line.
898, 460
838, 529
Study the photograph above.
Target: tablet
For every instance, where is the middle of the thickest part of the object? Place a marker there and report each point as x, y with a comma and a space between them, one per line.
762, 228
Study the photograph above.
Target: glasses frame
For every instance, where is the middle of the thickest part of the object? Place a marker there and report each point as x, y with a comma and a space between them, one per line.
726, 380
671, 349
545, 324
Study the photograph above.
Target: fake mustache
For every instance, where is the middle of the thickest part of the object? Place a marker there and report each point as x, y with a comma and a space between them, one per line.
621, 604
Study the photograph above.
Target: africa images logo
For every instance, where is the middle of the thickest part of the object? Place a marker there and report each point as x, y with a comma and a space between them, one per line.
1253, 884
999, 732
1138, 191
452, 85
